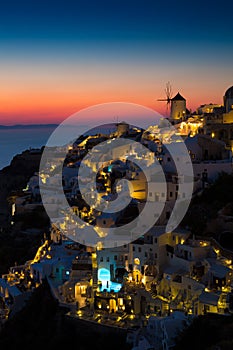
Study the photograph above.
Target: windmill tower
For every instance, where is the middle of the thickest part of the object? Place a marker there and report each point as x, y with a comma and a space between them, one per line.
168, 92
178, 107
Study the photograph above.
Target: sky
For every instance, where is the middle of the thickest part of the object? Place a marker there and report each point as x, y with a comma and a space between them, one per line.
58, 57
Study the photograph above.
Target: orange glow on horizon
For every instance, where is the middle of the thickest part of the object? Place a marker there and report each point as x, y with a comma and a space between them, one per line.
49, 94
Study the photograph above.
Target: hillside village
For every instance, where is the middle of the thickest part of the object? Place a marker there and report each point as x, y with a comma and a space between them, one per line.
156, 284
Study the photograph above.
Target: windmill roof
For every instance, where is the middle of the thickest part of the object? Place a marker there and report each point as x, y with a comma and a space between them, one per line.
178, 97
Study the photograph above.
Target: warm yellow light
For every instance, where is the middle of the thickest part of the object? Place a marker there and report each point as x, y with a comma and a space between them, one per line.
120, 301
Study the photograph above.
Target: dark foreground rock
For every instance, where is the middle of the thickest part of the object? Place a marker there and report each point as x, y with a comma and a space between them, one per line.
42, 324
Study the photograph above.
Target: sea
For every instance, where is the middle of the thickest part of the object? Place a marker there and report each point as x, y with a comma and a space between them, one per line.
16, 139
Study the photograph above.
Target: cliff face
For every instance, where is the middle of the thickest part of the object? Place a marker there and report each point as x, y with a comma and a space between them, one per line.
16, 244
15, 177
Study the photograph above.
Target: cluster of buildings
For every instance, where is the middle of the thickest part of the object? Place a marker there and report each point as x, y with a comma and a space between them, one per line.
214, 120
158, 282
155, 284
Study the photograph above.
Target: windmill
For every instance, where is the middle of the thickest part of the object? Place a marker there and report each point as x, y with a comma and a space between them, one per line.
168, 92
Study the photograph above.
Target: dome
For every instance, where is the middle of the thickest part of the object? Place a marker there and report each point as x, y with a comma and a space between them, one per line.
229, 92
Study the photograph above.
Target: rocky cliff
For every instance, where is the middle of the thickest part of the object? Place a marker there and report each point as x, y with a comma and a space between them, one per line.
15, 177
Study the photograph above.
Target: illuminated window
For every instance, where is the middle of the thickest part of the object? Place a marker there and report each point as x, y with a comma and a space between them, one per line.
83, 289
120, 300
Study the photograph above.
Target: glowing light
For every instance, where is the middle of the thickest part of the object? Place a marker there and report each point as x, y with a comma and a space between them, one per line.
13, 209
104, 277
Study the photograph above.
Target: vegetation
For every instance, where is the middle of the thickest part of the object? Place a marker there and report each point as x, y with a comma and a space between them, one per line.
205, 207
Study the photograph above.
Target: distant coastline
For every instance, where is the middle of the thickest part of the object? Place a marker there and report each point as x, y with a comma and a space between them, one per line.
28, 126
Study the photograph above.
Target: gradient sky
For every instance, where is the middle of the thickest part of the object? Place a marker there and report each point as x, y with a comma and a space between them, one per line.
57, 57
